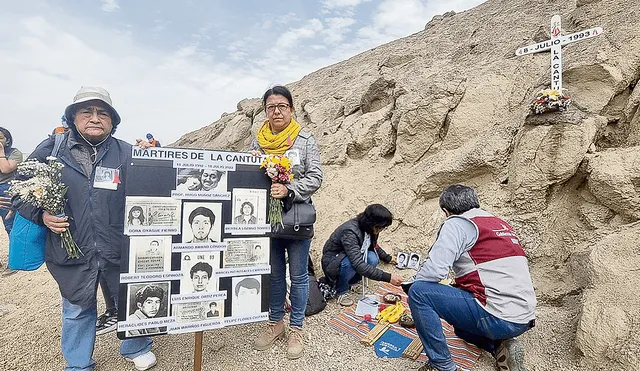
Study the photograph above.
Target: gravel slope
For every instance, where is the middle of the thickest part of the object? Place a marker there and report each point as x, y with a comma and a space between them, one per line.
30, 339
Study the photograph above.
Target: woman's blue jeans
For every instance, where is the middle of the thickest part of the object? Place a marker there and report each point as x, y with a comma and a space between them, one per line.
430, 301
348, 276
298, 253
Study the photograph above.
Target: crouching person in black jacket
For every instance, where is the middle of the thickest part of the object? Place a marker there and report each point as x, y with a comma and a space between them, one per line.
352, 252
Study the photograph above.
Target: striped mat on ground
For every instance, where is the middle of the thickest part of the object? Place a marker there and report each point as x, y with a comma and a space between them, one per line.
464, 354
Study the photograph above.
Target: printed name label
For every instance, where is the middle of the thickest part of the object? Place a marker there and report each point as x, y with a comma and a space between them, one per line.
243, 271
149, 277
247, 228
247, 319
195, 298
186, 247
151, 231
145, 323
181, 327
202, 195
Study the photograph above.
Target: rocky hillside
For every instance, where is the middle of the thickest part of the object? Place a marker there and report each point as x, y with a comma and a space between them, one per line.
398, 123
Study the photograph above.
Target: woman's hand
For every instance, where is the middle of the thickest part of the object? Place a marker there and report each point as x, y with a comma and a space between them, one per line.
396, 279
279, 190
255, 153
393, 261
56, 224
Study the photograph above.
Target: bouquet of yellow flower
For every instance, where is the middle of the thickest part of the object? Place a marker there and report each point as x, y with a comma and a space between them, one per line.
278, 169
44, 189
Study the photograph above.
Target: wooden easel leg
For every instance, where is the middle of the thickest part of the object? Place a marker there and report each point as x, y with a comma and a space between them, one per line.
197, 353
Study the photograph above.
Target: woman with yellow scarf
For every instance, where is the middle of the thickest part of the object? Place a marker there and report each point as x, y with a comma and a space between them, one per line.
281, 134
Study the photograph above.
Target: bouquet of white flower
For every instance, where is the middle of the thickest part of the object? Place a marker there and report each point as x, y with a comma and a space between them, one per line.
44, 189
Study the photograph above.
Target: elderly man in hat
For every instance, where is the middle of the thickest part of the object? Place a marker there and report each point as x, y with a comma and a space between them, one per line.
95, 217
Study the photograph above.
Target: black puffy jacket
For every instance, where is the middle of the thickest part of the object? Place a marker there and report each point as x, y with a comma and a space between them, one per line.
346, 241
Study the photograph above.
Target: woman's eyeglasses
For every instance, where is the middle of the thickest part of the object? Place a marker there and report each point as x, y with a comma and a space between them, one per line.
281, 107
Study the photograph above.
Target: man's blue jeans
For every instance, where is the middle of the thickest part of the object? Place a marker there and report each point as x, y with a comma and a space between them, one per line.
430, 301
298, 252
348, 276
79, 333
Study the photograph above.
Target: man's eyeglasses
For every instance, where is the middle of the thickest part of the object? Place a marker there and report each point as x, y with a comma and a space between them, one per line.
281, 107
88, 112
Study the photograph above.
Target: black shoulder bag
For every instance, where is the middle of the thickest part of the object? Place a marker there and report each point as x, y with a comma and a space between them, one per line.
297, 220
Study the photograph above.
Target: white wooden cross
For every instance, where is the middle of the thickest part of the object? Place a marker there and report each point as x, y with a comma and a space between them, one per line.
555, 45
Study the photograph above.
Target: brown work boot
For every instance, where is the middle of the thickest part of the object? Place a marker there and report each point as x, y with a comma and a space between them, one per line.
274, 332
295, 345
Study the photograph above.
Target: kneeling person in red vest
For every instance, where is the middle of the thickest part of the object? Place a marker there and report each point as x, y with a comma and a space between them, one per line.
492, 300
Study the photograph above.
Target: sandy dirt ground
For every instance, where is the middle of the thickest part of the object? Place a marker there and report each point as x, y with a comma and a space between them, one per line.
30, 310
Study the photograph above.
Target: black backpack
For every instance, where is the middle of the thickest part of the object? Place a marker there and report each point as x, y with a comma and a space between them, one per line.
316, 302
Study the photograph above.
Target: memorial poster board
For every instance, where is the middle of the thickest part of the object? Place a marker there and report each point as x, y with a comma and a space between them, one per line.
197, 256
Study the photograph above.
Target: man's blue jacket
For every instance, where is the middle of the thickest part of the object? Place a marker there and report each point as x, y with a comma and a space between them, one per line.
96, 218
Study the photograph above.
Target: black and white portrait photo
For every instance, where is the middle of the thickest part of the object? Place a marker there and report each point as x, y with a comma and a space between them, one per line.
402, 260
294, 156
260, 253
247, 298
249, 206
147, 301
104, 174
213, 309
197, 269
414, 261
149, 254
201, 222
207, 180
246, 216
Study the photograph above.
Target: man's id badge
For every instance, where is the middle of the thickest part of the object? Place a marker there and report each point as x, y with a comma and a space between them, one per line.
294, 156
106, 178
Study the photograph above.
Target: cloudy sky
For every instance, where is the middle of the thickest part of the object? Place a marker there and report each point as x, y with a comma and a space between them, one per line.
175, 66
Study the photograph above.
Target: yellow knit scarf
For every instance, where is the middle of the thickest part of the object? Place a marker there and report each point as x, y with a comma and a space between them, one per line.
277, 144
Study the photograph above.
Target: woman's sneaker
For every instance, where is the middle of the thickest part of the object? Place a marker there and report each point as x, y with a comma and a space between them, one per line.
107, 322
510, 355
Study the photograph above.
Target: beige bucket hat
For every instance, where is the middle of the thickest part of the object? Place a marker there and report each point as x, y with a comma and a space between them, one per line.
87, 93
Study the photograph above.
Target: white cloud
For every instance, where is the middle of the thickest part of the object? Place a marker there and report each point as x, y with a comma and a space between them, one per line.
160, 25
166, 94
291, 37
398, 18
333, 4
109, 5
336, 28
